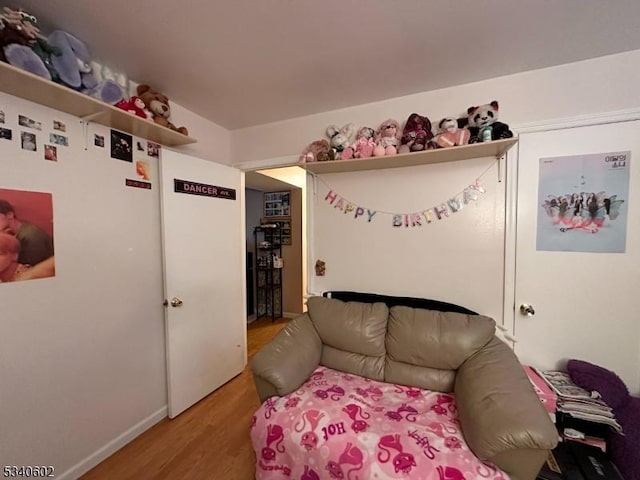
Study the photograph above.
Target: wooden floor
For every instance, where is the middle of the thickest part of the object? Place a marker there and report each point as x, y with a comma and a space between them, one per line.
209, 441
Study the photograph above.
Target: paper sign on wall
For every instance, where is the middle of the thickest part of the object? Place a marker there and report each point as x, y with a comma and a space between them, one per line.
193, 188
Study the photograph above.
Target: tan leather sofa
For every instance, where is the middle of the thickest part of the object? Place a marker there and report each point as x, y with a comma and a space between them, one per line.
501, 418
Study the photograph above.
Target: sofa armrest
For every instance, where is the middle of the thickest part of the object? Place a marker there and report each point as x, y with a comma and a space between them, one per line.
500, 414
282, 365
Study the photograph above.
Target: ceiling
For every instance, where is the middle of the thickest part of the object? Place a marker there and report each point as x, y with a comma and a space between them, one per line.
265, 183
240, 63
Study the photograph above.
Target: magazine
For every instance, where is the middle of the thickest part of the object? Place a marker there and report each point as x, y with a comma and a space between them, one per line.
578, 402
561, 383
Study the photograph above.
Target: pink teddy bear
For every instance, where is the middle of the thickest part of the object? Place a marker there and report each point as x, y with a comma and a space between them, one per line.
387, 138
363, 146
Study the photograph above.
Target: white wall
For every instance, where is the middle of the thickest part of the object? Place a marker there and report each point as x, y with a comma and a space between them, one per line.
214, 141
459, 259
82, 356
598, 85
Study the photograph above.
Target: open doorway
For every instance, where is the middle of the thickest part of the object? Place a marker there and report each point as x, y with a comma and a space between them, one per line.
263, 190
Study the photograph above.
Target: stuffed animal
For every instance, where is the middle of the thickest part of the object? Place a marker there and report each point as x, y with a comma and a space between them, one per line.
450, 134
136, 106
158, 105
484, 125
22, 45
387, 138
363, 146
317, 151
61, 57
75, 70
416, 135
339, 138
12, 32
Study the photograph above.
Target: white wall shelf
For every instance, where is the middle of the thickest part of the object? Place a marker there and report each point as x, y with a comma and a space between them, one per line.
496, 148
20, 83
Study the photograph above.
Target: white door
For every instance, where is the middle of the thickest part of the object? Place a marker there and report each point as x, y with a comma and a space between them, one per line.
203, 242
586, 304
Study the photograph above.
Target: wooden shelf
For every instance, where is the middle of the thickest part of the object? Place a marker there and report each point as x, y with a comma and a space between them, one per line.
31, 87
496, 148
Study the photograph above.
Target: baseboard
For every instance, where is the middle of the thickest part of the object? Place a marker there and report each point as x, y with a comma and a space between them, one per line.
251, 318
113, 446
290, 315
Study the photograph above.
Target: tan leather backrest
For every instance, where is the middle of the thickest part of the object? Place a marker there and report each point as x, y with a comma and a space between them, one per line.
407, 346
426, 347
352, 333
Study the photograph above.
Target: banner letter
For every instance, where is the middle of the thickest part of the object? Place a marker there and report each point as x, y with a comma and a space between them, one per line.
454, 204
331, 197
441, 212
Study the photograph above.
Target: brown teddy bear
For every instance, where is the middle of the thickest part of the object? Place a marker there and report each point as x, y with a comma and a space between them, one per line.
158, 105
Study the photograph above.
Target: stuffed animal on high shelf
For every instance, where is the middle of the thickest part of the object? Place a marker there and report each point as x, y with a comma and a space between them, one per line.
363, 146
387, 138
75, 69
136, 106
317, 151
483, 124
23, 46
450, 134
416, 135
339, 138
61, 57
158, 105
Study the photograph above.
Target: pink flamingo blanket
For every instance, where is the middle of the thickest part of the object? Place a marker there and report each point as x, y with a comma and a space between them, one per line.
341, 426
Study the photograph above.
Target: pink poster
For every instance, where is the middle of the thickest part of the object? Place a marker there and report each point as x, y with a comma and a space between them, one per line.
26, 235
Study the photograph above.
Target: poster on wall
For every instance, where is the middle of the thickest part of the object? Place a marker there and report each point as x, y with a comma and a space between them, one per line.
121, 146
26, 235
583, 203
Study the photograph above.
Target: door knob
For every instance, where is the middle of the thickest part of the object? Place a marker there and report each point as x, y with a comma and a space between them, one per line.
526, 309
176, 302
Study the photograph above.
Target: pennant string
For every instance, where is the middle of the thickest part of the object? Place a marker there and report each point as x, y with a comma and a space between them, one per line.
440, 210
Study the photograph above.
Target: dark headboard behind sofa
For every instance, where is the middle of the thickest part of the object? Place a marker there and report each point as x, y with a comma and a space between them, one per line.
393, 301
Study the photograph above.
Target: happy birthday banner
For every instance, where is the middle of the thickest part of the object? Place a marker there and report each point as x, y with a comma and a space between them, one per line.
414, 219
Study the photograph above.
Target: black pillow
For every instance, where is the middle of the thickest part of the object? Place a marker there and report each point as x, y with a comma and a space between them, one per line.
392, 301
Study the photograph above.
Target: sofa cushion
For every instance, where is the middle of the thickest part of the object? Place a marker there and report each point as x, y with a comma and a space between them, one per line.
352, 333
426, 347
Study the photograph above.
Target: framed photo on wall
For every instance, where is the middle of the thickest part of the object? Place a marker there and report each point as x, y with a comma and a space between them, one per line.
277, 204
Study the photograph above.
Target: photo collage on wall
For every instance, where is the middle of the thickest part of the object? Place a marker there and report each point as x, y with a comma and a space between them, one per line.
30, 130
124, 147
26, 235
277, 211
